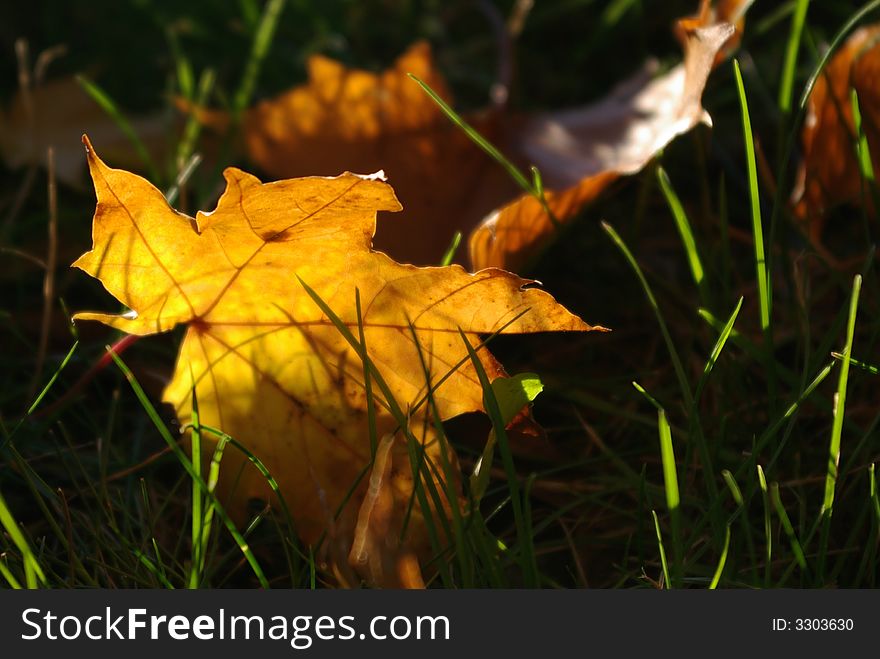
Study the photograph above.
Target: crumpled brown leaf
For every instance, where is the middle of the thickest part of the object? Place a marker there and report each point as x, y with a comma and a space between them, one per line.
580, 152
829, 172
722, 11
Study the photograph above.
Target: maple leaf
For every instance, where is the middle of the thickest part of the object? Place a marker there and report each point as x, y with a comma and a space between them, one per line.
580, 152
829, 171
272, 370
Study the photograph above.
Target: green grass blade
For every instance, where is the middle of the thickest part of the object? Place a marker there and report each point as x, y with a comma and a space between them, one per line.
490, 402
449, 254
787, 527
663, 563
262, 40
447, 477
33, 572
735, 492
717, 348
754, 196
188, 466
109, 106
863, 150
684, 230
791, 52
7, 574
193, 126
768, 526
155, 571
870, 368
721, 561
222, 440
368, 377
54, 377
158, 566
841, 34
197, 517
413, 445
872, 490
839, 411
673, 497
40, 396
652, 301
840, 403
670, 485
478, 139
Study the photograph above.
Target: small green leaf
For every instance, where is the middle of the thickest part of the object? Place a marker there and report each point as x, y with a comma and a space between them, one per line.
515, 392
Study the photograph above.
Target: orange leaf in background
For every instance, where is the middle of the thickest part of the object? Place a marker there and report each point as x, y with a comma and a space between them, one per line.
273, 371
829, 172
580, 152
56, 114
351, 119
357, 120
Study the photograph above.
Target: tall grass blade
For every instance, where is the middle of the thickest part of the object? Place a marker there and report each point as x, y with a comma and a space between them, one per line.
188, 466
34, 574
716, 578
652, 301
490, 402
839, 410
262, 40
872, 490
791, 52
478, 139
664, 565
7, 574
684, 230
197, 517
870, 368
449, 254
735, 492
718, 348
768, 527
762, 274
840, 401
109, 106
670, 484
863, 150
787, 527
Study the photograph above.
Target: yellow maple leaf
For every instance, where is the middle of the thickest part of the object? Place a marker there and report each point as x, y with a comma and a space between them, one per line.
268, 365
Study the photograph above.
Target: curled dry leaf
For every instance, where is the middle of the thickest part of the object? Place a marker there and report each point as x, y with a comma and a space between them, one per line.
580, 152
723, 11
829, 172
358, 120
271, 369
56, 114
